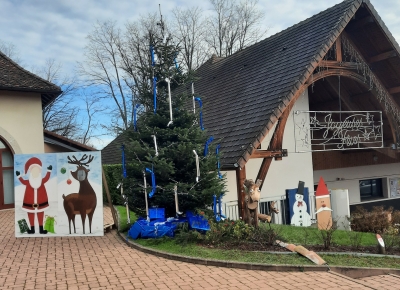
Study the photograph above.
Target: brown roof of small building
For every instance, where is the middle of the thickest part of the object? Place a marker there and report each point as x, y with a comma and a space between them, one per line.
15, 78
51, 137
112, 154
244, 94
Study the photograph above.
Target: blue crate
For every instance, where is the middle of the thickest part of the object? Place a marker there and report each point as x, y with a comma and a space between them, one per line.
157, 213
197, 222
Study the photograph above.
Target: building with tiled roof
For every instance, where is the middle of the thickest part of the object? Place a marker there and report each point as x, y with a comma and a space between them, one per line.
262, 104
23, 95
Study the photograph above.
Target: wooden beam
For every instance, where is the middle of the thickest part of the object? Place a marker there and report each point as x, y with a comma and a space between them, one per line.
275, 143
394, 90
382, 56
240, 177
361, 23
277, 154
339, 49
338, 65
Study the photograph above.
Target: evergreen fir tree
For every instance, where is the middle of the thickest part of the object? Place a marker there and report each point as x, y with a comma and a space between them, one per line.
175, 163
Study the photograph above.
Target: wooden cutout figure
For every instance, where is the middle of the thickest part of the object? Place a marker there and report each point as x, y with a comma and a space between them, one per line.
301, 217
267, 218
253, 194
323, 206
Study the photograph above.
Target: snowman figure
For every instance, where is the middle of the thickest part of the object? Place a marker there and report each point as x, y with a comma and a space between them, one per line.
300, 215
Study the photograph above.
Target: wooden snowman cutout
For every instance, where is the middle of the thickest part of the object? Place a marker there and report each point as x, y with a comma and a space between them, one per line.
300, 215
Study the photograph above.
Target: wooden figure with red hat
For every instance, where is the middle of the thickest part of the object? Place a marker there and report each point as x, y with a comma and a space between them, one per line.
35, 197
323, 206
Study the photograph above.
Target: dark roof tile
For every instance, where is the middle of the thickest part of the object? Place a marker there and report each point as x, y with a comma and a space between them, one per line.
15, 78
241, 92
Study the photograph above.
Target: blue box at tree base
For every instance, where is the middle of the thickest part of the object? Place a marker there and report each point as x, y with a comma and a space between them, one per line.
157, 213
153, 229
197, 222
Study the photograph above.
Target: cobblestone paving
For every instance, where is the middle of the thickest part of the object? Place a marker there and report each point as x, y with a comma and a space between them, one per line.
108, 263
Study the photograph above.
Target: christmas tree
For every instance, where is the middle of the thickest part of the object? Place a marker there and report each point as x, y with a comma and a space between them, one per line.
167, 137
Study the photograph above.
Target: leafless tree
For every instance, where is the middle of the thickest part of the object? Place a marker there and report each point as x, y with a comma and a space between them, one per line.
67, 115
10, 50
60, 116
190, 28
233, 26
102, 70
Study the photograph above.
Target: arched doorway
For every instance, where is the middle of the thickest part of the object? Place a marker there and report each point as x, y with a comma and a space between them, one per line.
6, 176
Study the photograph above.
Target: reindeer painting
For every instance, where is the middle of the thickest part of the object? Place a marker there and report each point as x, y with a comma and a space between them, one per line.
74, 187
83, 202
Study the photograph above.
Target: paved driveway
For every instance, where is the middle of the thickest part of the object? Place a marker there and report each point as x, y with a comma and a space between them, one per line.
108, 263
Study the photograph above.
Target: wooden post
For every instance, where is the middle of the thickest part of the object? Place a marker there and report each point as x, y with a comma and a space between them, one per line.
109, 198
339, 48
240, 177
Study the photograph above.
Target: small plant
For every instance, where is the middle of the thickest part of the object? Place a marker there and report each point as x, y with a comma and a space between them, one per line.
306, 235
355, 239
266, 235
185, 236
326, 235
391, 238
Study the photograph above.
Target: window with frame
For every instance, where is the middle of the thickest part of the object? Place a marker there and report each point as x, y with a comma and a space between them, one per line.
371, 188
6, 176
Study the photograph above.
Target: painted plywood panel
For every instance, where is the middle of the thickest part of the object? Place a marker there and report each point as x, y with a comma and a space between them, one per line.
54, 191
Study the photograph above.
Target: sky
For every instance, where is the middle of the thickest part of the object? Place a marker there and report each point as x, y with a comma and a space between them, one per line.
57, 29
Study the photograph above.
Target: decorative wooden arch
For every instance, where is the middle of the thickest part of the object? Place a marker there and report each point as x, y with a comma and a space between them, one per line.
277, 137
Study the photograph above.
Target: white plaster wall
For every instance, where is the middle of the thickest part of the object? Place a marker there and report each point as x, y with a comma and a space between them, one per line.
231, 188
284, 174
287, 173
21, 121
351, 176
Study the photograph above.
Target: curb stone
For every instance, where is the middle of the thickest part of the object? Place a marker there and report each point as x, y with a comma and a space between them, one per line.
348, 272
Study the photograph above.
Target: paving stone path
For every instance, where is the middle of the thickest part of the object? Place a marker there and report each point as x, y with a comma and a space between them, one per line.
108, 263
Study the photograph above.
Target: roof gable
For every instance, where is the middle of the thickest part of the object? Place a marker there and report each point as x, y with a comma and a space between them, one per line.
243, 94
15, 78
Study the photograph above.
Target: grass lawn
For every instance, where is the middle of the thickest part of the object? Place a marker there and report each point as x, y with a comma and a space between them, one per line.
310, 236
295, 235
123, 224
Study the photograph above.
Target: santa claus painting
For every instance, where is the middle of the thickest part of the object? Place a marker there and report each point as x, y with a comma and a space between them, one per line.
35, 200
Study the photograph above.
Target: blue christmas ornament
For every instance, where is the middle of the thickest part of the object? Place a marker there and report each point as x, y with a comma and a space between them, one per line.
155, 94
201, 112
123, 161
207, 144
153, 182
153, 63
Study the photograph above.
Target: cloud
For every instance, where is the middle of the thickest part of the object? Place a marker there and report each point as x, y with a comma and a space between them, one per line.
43, 29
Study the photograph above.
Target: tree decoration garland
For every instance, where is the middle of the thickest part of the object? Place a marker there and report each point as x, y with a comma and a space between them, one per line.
201, 112
153, 182
170, 102
207, 144
194, 102
155, 94
153, 62
197, 166
155, 143
123, 162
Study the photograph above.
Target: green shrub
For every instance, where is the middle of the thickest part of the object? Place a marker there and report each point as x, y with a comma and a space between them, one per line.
113, 175
376, 221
